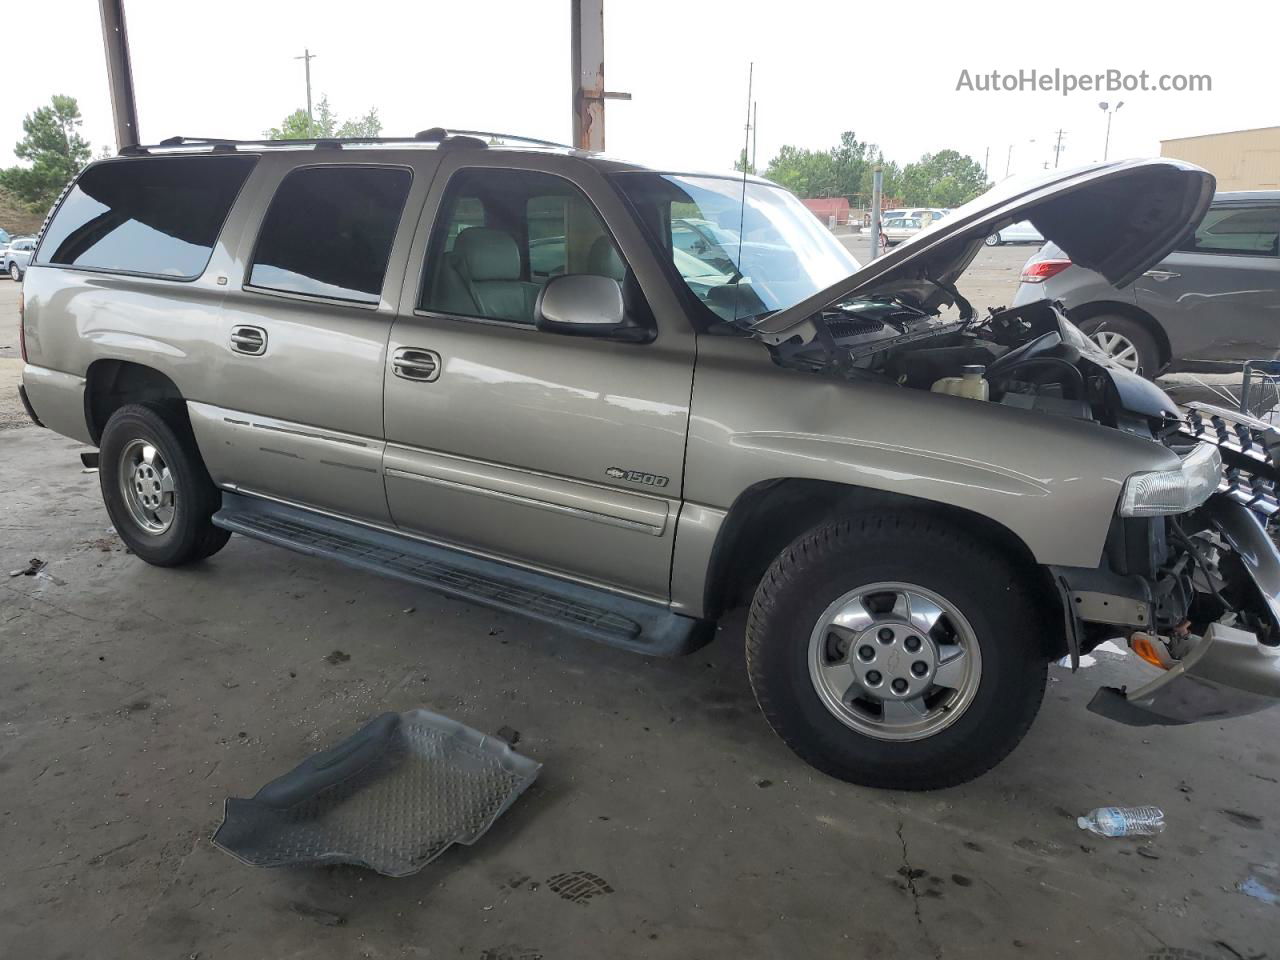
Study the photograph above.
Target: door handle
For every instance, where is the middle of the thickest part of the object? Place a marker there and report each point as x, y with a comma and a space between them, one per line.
1161, 274
413, 363
249, 340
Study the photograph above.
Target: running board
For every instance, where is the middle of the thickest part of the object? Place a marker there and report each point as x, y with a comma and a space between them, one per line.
602, 616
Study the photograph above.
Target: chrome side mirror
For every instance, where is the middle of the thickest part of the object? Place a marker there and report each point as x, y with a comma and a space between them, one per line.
581, 304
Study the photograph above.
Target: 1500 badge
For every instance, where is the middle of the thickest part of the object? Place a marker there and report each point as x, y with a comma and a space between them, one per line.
637, 476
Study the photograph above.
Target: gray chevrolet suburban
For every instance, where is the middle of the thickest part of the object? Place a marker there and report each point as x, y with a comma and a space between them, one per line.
490, 370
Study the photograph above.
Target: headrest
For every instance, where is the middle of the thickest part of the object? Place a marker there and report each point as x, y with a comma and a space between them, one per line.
485, 253
603, 260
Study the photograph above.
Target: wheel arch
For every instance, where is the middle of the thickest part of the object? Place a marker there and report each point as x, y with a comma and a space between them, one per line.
110, 384
1096, 308
767, 516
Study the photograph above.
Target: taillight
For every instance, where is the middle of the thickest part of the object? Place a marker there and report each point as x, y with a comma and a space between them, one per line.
22, 326
1042, 270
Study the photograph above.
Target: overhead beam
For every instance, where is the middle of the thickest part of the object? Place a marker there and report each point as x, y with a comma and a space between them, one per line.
115, 39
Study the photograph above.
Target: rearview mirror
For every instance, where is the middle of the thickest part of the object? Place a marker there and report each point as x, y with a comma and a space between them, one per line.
584, 305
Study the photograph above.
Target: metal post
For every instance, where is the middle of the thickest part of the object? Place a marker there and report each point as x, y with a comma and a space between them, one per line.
587, 60
877, 183
588, 74
755, 129
1106, 146
115, 39
1008, 161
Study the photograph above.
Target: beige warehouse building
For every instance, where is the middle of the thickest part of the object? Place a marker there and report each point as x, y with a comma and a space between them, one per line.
1241, 159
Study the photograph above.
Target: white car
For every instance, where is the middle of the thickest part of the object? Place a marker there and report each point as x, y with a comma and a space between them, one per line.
901, 228
1022, 232
17, 256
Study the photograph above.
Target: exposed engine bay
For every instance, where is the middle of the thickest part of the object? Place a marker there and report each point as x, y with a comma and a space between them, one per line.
1031, 357
1195, 593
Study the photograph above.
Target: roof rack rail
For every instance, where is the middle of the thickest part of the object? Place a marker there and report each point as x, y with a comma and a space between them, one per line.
435, 135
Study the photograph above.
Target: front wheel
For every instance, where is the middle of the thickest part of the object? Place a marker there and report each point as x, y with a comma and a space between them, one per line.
894, 651
993, 240
15, 274
155, 486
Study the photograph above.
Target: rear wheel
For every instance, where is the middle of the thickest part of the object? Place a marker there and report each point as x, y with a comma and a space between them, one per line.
155, 485
894, 651
15, 274
1126, 341
993, 240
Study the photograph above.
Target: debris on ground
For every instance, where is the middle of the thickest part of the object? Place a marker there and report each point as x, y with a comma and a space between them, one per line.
325, 917
392, 798
1262, 884
337, 657
510, 735
1123, 821
34, 566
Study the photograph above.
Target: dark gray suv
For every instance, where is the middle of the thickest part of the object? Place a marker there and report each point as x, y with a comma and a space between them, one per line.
1216, 297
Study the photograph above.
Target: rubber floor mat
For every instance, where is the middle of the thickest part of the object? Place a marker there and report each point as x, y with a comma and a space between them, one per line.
391, 798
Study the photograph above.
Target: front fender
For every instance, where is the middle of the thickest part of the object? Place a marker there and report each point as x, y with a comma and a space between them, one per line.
1051, 481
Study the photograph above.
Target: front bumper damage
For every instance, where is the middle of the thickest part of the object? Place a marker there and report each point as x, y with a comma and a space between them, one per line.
1227, 671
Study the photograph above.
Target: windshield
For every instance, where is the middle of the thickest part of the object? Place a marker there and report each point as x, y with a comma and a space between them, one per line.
741, 262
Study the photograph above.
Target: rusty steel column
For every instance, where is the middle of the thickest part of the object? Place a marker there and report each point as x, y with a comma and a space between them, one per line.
115, 39
587, 32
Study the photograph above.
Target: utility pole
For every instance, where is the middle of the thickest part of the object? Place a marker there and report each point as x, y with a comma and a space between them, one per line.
306, 58
1057, 149
1008, 161
986, 158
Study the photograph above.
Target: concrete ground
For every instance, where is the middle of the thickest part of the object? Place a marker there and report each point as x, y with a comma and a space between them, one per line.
133, 700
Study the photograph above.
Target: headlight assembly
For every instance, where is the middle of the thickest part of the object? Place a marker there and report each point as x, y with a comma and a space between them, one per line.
1163, 492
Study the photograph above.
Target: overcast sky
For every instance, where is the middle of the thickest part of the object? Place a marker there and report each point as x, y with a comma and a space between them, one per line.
888, 71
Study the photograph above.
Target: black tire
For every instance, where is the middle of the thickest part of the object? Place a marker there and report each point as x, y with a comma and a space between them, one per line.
1132, 330
993, 240
831, 560
190, 535
15, 272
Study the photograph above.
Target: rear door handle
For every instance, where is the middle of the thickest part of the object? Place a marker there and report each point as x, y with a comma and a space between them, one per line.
414, 363
249, 340
1161, 274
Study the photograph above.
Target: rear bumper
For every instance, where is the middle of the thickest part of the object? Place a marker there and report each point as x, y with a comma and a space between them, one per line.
1228, 672
26, 405
56, 400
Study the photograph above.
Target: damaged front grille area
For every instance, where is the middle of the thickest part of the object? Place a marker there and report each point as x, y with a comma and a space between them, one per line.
1250, 451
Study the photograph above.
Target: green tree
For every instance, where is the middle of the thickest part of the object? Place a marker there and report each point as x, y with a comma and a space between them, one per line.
52, 144
324, 123
742, 165
942, 179
842, 171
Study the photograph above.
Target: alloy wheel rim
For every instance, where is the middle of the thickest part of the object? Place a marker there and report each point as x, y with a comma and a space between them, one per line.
148, 486
1118, 347
894, 661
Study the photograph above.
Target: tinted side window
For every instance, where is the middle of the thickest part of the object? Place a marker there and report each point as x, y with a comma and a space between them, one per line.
154, 215
1244, 230
328, 232
501, 235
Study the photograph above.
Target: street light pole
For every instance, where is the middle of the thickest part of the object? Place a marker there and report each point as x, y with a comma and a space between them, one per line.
1108, 110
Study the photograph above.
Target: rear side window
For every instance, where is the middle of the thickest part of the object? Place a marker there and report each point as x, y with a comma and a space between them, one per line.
1243, 230
328, 232
158, 216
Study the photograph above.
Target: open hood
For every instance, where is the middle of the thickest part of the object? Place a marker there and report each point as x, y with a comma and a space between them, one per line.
1118, 218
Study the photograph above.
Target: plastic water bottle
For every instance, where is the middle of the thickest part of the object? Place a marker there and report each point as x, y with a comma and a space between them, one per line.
1123, 821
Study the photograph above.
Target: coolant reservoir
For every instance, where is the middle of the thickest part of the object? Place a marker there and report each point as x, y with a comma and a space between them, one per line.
972, 385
